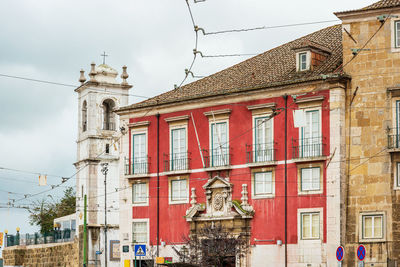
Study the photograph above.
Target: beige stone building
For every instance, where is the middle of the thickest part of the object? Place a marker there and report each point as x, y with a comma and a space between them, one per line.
370, 187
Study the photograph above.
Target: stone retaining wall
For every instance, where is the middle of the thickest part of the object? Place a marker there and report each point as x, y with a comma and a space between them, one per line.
46, 255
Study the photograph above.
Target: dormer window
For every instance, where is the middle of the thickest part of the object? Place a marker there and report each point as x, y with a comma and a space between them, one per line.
309, 55
303, 61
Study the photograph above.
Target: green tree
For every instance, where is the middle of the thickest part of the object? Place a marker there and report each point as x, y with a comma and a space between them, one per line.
43, 212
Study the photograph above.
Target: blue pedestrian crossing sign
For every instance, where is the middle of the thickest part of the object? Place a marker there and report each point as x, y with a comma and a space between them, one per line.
140, 250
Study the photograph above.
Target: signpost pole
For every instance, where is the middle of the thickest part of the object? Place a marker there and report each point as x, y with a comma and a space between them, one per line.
85, 231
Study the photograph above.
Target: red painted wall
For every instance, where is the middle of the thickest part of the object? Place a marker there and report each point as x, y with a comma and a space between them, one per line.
268, 221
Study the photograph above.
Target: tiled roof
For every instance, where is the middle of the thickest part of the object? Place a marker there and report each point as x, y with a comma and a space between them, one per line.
271, 68
378, 5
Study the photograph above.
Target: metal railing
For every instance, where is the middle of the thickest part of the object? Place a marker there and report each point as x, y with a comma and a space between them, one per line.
137, 165
177, 161
393, 138
217, 157
308, 147
109, 126
55, 236
260, 152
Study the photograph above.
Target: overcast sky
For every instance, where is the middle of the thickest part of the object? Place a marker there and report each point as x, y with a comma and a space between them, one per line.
53, 40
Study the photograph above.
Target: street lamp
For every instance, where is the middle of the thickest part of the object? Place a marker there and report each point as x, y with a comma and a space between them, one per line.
104, 170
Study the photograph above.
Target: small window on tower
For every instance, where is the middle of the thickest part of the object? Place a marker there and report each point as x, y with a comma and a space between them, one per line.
84, 116
108, 115
107, 148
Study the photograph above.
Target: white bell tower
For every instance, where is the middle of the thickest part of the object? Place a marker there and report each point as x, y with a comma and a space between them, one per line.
98, 142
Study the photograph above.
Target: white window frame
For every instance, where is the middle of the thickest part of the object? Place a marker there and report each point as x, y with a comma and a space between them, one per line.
144, 220
146, 201
133, 133
397, 175
182, 200
271, 142
301, 212
271, 194
361, 224
171, 129
311, 186
308, 60
396, 30
301, 132
211, 154
395, 46
396, 121
300, 168
303, 61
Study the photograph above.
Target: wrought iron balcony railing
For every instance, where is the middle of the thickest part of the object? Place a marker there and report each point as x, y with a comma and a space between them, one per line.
137, 165
177, 161
393, 138
308, 147
257, 153
217, 157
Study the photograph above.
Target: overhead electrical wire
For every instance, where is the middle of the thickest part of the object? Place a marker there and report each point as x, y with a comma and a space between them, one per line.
61, 84
342, 66
189, 70
230, 55
65, 179
269, 27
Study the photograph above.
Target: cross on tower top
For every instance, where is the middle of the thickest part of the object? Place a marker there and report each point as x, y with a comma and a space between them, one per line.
104, 57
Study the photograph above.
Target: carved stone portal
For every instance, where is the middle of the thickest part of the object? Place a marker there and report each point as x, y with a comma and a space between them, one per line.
219, 204
220, 210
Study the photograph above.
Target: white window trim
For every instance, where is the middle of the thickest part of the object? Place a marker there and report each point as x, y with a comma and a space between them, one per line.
361, 226
396, 175
175, 127
136, 132
308, 61
320, 120
210, 122
308, 109
259, 116
394, 49
253, 182
141, 204
183, 201
395, 120
146, 220
321, 177
321, 225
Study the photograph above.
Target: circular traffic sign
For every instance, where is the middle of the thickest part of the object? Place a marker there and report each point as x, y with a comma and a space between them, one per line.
361, 253
340, 253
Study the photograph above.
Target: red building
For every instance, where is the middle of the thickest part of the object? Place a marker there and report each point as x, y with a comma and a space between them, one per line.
214, 151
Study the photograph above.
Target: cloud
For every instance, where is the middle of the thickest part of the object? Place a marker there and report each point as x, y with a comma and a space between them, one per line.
53, 40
